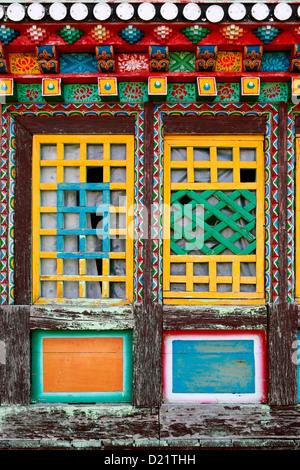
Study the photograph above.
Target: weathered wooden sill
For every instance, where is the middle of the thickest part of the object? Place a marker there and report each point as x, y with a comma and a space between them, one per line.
168, 426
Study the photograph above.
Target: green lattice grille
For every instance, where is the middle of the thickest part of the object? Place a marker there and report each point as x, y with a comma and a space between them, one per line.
199, 221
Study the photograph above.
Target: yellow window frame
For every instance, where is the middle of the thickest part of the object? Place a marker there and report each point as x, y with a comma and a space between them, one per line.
37, 186
213, 142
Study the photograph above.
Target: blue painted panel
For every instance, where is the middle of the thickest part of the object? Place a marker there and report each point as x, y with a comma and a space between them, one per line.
275, 61
76, 62
213, 366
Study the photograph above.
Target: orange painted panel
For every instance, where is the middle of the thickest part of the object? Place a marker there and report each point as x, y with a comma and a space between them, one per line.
83, 364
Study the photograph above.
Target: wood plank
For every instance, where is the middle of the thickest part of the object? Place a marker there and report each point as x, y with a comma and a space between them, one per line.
282, 333
191, 317
15, 367
214, 124
230, 421
147, 353
22, 217
81, 318
78, 124
80, 422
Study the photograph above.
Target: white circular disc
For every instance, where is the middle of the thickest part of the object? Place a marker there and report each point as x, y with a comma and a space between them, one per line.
58, 11
260, 11
16, 12
237, 11
79, 11
169, 11
125, 11
102, 11
1, 11
146, 11
283, 11
36, 11
298, 11
191, 11
215, 13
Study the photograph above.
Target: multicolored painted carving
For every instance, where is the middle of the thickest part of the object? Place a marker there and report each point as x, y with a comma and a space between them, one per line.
105, 58
159, 58
47, 59
252, 58
206, 58
137, 91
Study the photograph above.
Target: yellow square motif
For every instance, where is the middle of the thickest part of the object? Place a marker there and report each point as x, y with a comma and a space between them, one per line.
6, 86
157, 86
250, 86
207, 86
51, 87
107, 86
295, 86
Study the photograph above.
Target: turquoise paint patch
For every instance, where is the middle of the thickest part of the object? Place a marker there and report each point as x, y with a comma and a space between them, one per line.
37, 394
213, 366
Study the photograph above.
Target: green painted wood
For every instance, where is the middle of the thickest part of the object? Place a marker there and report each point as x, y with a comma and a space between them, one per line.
209, 231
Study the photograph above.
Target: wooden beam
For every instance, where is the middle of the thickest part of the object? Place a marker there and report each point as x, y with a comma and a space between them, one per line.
22, 245
230, 421
282, 336
78, 124
147, 354
214, 124
15, 355
190, 317
79, 422
61, 317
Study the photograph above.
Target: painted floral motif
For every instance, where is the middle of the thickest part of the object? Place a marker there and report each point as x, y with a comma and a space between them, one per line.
29, 92
225, 91
229, 62
179, 91
133, 91
272, 91
275, 61
24, 63
82, 93
32, 95
133, 63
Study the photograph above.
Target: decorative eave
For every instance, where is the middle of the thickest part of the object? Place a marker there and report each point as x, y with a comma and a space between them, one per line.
168, 11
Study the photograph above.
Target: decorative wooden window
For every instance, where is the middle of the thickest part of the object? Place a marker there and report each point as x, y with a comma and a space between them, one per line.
213, 245
210, 366
82, 218
81, 366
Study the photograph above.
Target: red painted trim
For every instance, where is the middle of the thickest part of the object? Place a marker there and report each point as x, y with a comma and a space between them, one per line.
173, 77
